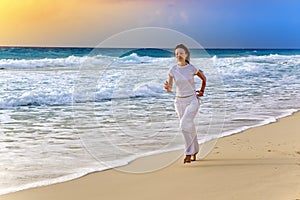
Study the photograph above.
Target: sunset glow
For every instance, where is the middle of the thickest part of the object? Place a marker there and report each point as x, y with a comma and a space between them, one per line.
213, 23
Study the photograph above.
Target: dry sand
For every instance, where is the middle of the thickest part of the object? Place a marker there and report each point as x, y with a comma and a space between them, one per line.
260, 163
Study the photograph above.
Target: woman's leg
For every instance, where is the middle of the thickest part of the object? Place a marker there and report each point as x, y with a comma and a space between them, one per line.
188, 128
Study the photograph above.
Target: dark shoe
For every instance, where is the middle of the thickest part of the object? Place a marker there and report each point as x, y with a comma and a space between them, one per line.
187, 159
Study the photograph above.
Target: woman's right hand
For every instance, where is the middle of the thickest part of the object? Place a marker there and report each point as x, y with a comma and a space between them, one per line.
167, 86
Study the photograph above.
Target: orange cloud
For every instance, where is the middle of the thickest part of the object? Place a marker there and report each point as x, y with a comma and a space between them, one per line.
69, 22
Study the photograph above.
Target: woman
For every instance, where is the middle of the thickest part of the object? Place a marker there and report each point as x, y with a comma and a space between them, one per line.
186, 102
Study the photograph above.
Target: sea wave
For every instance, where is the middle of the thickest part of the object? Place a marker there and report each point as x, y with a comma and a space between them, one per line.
66, 97
134, 58
40, 63
75, 61
255, 64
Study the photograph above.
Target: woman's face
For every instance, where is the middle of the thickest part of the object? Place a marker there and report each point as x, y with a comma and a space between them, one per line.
180, 54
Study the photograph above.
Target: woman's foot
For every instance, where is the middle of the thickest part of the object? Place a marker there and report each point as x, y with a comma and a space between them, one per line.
187, 159
194, 157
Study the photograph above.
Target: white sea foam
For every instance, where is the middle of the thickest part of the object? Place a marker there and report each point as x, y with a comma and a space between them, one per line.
70, 61
149, 89
266, 121
76, 61
42, 98
236, 66
74, 175
40, 63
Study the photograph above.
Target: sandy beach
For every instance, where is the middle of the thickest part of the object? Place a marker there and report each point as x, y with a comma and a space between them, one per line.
259, 163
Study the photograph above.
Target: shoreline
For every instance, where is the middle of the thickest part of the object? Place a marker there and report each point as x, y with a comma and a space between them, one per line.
265, 156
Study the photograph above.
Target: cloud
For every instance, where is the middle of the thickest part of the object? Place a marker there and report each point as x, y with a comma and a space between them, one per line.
168, 15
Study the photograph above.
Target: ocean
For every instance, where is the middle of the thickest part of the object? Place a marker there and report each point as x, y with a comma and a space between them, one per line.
67, 112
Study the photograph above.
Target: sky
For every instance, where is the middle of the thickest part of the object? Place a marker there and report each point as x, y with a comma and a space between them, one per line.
212, 23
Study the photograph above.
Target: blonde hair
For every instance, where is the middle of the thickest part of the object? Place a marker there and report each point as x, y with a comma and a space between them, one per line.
186, 51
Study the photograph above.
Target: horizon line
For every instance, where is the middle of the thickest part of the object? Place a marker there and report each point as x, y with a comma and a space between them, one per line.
91, 47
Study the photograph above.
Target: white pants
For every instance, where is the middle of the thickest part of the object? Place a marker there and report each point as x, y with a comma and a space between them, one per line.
186, 109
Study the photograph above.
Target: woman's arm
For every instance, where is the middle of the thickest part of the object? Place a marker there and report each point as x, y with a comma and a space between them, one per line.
203, 78
168, 84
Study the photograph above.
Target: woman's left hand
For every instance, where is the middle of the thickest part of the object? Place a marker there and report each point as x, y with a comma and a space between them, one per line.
200, 93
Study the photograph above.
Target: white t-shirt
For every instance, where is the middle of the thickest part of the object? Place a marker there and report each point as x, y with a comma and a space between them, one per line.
184, 79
